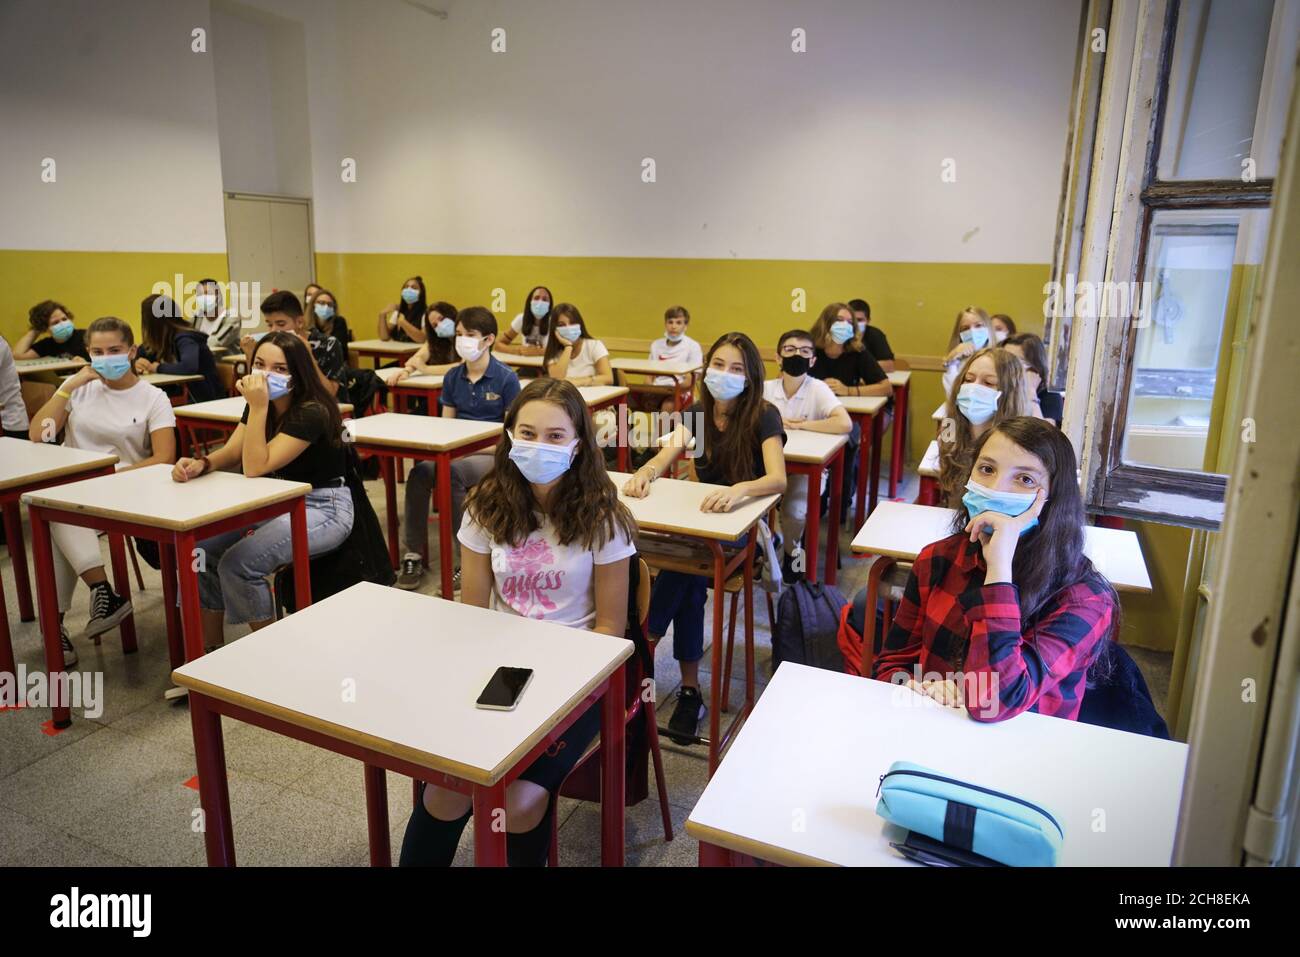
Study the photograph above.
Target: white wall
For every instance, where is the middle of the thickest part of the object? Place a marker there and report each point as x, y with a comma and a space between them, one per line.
127, 112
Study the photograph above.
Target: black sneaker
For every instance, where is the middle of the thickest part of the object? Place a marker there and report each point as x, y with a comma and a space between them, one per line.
412, 573
107, 609
684, 725
69, 652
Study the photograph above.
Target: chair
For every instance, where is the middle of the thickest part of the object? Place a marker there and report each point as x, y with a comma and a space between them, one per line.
583, 781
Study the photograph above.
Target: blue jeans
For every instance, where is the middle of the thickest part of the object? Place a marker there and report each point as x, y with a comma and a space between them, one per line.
237, 565
678, 599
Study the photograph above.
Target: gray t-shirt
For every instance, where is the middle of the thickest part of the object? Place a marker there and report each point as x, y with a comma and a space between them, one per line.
13, 413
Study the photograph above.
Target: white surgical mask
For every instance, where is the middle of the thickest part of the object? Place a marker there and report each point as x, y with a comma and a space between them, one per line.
469, 348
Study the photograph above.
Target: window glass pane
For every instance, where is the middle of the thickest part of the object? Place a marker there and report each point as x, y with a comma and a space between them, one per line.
1214, 87
1200, 274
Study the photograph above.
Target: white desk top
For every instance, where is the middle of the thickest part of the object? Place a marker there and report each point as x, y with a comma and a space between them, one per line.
387, 347
798, 786
649, 366
161, 379
673, 506
230, 409
148, 496
595, 394
900, 378
863, 404
422, 710
234, 359
900, 530
415, 381
514, 359
940, 412
51, 364
23, 462
428, 433
812, 448
929, 466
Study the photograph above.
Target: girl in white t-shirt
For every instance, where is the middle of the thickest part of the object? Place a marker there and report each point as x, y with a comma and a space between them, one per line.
106, 408
544, 536
532, 326
573, 354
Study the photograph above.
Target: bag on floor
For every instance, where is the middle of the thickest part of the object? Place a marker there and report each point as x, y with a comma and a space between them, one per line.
807, 626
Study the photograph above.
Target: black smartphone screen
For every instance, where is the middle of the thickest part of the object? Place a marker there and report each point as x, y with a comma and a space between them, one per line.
505, 688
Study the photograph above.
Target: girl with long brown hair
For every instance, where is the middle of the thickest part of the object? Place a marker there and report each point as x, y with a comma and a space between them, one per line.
739, 446
174, 347
988, 389
971, 332
544, 536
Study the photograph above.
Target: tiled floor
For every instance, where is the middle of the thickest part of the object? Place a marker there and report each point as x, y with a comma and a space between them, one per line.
113, 790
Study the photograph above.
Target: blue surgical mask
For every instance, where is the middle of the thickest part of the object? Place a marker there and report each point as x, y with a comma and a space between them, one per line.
841, 331
277, 384
324, 310
673, 340
569, 334
410, 295
62, 330
541, 462
205, 302
980, 499
540, 308
977, 336
977, 402
724, 385
111, 367
445, 328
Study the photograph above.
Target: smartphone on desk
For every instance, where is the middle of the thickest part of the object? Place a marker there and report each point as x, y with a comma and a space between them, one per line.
505, 689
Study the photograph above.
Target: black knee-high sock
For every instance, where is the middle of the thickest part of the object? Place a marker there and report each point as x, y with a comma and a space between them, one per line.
529, 848
430, 842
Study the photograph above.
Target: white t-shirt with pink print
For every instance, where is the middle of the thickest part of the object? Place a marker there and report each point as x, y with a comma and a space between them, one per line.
540, 578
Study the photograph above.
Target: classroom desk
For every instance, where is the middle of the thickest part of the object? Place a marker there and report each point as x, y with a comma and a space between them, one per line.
26, 467
672, 511
600, 397
939, 414
146, 502
52, 364
216, 415
161, 379
928, 472
235, 359
417, 679
809, 453
897, 531
518, 361
394, 435
901, 380
799, 786
680, 392
427, 387
865, 410
379, 349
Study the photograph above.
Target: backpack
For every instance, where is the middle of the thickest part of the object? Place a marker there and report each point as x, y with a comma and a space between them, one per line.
807, 627
363, 556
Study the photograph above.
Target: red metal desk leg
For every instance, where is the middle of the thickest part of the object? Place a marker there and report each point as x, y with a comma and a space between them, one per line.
377, 816
47, 598
214, 792
191, 608
713, 856
812, 530
867, 424
490, 826
622, 437
18, 558
301, 554
445, 520
7, 664
390, 504
877, 430
833, 525
122, 579
899, 438
613, 777
749, 623
175, 643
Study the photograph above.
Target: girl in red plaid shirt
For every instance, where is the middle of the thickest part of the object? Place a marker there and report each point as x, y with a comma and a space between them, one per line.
1007, 614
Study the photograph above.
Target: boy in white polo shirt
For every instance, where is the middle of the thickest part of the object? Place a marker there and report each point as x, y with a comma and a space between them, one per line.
804, 403
675, 346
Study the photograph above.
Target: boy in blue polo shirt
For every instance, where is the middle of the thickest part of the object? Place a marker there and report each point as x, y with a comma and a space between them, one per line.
480, 389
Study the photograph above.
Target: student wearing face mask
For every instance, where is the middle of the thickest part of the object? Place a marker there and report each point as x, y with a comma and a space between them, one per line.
871, 336
1002, 326
291, 430
282, 312
989, 389
438, 354
970, 333
1007, 614
481, 388
211, 318
571, 353
105, 408
174, 347
1029, 349
532, 327
548, 508
740, 448
51, 334
13, 411
673, 346
404, 321
804, 403
326, 318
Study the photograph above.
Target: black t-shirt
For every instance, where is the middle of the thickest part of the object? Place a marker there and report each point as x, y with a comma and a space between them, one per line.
877, 344
322, 460
769, 424
75, 345
851, 368
1052, 404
